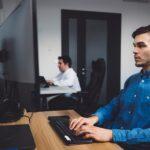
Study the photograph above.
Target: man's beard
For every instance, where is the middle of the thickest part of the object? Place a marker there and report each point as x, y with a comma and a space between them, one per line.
139, 65
143, 65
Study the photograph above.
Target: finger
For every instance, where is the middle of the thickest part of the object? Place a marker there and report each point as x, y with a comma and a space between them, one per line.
71, 122
89, 135
82, 130
79, 132
79, 124
74, 122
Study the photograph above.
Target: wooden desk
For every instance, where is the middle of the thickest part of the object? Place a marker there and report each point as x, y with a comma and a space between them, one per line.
46, 138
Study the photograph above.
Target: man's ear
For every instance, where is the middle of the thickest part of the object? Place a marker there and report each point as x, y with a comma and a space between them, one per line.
67, 64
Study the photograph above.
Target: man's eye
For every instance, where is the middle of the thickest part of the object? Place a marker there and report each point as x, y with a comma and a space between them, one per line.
141, 45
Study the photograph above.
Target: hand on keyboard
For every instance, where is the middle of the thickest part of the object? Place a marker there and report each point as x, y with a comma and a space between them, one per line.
75, 124
85, 127
61, 126
96, 133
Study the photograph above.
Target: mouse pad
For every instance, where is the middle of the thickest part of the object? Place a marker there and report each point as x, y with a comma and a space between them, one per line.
16, 137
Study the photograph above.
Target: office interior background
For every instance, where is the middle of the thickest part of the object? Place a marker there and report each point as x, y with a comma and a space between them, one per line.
134, 13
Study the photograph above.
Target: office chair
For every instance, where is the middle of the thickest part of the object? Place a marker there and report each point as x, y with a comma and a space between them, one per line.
89, 99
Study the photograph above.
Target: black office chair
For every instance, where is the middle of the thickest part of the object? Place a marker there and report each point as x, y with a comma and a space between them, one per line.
89, 100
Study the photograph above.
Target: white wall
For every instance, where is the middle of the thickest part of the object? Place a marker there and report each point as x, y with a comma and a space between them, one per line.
49, 26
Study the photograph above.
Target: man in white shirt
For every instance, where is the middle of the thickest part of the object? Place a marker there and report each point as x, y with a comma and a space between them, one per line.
66, 77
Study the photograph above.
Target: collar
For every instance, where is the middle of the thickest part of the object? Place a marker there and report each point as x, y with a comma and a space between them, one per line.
145, 73
67, 70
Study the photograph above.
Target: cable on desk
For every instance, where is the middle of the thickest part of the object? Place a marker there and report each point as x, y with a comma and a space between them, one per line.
29, 117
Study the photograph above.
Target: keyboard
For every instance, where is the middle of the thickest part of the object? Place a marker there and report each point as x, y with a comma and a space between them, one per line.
61, 125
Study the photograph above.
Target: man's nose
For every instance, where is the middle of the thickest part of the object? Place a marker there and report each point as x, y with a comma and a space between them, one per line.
135, 50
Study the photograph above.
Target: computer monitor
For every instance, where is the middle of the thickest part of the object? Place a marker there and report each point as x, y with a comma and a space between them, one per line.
19, 55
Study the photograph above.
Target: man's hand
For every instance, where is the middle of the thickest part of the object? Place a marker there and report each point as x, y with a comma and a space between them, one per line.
77, 123
50, 82
96, 133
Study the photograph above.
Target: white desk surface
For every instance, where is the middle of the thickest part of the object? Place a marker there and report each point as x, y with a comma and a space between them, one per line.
56, 90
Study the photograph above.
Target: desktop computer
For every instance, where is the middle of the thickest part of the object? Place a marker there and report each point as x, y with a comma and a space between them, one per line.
18, 73
19, 61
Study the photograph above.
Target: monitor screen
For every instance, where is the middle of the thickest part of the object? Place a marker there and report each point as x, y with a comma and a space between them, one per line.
19, 50
17, 38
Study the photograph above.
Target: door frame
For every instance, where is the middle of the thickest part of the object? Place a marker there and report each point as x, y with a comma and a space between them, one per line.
113, 43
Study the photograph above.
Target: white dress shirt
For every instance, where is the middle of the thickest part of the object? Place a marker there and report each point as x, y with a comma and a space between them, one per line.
68, 78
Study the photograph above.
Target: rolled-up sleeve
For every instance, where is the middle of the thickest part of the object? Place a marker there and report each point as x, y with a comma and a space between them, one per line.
134, 136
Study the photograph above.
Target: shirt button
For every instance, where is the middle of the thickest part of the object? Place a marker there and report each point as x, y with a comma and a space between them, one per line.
147, 97
135, 95
130, 112
142, 81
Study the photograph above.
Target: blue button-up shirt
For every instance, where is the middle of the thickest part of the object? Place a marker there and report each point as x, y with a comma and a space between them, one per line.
128, 115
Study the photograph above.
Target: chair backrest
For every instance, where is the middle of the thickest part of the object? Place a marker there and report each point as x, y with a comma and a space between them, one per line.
95, 83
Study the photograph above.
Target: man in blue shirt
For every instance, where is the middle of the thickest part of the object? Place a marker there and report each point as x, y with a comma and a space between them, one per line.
126, 118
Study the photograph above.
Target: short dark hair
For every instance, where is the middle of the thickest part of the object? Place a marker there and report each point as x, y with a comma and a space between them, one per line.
141, 30
66, 59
